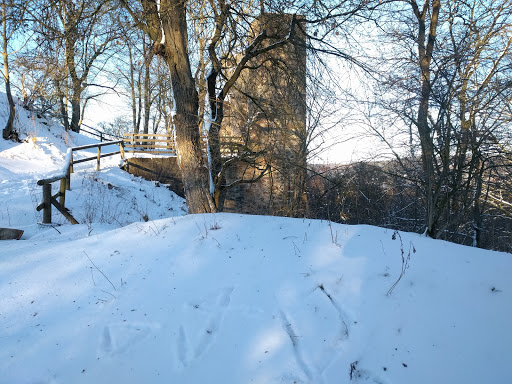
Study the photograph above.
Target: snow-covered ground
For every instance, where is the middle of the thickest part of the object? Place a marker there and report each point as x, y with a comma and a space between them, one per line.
227, 298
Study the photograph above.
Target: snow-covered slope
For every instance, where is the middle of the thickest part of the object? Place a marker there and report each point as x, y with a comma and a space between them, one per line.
110, 196
229, 298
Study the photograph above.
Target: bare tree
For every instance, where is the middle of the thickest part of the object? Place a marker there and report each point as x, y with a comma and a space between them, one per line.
442, 80
167, 24
476, 98
12, 22
78, 37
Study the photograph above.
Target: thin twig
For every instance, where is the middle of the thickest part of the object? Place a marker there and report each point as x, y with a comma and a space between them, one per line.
109, 294
295, 247
405, 260
100, 271
56, 229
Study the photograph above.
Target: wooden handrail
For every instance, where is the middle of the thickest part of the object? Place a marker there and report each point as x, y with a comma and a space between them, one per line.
65, 180
138, 143
63, 172
150, 143
85, 159
89, 146
160, 143
96, 132
146, 134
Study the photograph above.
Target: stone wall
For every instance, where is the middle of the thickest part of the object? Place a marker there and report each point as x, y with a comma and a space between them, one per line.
162, 169
263, 197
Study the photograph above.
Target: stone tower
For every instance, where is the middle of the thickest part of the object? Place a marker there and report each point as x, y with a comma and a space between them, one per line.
268, 110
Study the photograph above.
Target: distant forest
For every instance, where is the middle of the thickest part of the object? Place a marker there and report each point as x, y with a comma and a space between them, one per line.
386, 195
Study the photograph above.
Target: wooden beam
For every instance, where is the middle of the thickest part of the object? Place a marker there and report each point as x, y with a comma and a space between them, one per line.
95, 157
88, 146
62, 192
132, 135
64, 211
154, 152
98, 157
47, 205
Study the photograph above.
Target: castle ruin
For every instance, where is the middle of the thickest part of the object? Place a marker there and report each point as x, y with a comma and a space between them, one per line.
266, 113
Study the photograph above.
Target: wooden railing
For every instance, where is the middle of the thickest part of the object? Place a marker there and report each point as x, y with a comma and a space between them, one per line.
99, 134
64, 176
99, 155
132, 143
162, 144
150, 143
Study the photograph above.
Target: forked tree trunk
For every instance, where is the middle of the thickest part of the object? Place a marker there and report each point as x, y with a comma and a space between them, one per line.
186, 105
426, 43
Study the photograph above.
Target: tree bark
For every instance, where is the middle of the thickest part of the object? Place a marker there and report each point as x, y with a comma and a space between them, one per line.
135, 112
477, 209
76, 81
9, 126
186, 104
75, 112
147, 88
425, 50
62, 105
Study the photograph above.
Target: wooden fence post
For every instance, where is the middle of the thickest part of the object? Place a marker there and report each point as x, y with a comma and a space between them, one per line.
47, 203
68, 179
62, 192
65, 182
98, 159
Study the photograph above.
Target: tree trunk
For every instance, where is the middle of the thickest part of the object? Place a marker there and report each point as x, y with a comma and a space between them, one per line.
63, 107
477, 211
71, 38
186, 105
75, 112
132, 90
427, 146
9, 126
147, 89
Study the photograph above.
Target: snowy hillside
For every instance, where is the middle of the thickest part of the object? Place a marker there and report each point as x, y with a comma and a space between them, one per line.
109, 197
229, 298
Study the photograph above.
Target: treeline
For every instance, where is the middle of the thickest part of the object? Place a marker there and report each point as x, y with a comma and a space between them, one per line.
387, 195
437, 94
62, 56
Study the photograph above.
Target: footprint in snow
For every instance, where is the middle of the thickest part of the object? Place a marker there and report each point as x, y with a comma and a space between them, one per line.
200, 332
118, 338
317, 317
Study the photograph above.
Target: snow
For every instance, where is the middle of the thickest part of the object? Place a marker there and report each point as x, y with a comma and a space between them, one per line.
229, 298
